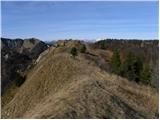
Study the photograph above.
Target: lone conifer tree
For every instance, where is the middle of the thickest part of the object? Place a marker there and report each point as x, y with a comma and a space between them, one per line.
73, 51
83, 49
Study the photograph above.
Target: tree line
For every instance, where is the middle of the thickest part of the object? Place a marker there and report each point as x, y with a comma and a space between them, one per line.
132, 68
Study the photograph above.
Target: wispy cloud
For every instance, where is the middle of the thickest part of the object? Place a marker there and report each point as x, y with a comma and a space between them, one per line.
53, 20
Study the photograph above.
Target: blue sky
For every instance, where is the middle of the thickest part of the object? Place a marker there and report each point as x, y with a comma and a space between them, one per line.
80, 20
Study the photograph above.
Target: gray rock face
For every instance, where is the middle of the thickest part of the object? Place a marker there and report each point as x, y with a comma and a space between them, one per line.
17, 55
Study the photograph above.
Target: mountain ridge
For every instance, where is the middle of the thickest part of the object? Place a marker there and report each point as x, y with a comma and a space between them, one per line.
61, 86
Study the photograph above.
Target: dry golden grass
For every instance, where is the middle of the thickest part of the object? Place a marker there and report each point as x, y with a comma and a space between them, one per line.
60, 86
9, 94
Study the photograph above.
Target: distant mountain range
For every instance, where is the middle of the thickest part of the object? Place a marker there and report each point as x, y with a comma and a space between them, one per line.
18, 55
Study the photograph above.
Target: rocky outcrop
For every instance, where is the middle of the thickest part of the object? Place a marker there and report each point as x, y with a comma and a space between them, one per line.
17, 55
44, 53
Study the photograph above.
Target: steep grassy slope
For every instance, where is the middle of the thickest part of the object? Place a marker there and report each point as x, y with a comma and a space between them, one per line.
60, 86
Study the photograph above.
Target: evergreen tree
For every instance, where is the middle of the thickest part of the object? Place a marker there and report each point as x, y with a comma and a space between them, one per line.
83, 49
74, 52
138, 66
145, 75
131, 67
102, 45
116, 62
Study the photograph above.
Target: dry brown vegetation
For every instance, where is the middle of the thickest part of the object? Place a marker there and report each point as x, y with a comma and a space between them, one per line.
60, 86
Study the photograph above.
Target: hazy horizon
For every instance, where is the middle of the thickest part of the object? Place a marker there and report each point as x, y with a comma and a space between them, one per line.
80, 20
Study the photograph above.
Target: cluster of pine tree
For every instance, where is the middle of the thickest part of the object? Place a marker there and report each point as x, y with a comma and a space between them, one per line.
74, 50
132, 68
